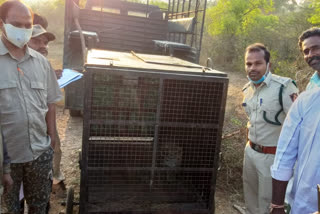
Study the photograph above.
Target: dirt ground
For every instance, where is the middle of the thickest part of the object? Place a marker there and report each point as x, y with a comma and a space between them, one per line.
70, 132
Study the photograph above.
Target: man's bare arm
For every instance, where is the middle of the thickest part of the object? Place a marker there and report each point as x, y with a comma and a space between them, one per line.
278, 195
51, 123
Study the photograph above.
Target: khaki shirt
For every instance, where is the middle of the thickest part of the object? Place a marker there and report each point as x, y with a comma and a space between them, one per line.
265, 98
26, 88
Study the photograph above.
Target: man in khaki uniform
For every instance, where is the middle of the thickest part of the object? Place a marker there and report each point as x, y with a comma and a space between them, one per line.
267, 99
28, 91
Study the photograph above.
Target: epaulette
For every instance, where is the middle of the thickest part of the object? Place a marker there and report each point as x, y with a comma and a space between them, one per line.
282, 80
246, 86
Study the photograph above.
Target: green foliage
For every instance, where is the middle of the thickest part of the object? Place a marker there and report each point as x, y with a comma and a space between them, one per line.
236, 122
159, 3
315, 17
238, 23
232, 25
239, 16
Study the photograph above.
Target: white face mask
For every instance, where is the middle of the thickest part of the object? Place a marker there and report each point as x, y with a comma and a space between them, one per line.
17, 36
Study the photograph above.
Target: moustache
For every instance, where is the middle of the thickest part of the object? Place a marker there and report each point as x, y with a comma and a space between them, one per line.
313, 58
252, 72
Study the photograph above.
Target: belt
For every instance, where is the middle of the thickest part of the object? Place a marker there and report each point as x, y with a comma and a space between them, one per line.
263, 149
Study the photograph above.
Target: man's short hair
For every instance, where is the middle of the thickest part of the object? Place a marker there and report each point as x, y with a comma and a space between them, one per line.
7, 5
315, 31
40, 20
256, 47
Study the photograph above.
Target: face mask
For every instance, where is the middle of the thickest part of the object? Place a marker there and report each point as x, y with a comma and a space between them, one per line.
262, 78
17, 36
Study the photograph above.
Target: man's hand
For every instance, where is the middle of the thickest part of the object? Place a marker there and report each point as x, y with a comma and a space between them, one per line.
53, 143
278, 211
51, 123
278, 194
58, 73
7, 182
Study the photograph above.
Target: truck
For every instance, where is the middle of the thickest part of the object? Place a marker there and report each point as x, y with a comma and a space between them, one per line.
152, 116
176, 29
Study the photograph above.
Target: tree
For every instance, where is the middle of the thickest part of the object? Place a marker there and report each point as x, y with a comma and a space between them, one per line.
235, 24
315, 17
238, 16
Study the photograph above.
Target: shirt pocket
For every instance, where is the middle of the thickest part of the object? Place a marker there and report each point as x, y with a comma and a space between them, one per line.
38, 94
9, 96
270, 113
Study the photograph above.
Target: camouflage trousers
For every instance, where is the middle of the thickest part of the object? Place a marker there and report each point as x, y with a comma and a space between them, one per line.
37, 179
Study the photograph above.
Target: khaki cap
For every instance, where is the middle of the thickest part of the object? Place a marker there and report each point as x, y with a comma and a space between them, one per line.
39, 30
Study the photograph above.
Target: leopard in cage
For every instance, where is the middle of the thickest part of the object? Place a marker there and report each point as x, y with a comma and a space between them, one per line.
172, 158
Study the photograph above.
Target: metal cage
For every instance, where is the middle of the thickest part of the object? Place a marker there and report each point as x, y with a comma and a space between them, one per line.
151, 140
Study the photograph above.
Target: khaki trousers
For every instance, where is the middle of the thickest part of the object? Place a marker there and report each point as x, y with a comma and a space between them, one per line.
257, 181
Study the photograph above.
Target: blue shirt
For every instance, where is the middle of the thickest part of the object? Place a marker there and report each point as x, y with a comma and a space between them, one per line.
314, 82
299, 143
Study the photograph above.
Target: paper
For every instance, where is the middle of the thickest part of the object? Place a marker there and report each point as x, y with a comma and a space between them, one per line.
69, 76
